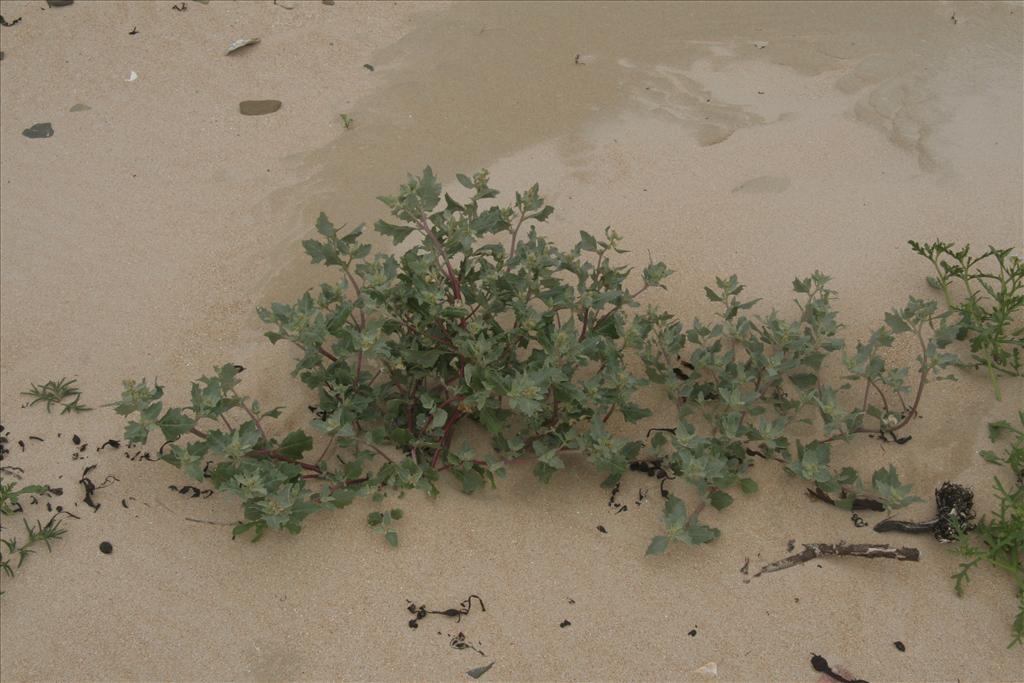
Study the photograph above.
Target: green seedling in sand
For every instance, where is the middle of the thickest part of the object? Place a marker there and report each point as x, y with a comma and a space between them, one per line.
39, 533
991, 307
998, 540
483, 344
347, 121
57, 393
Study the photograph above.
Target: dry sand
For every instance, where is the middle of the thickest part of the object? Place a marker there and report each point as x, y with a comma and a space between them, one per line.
766, 140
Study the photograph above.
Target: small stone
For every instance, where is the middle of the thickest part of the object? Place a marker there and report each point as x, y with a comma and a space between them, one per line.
900, 646
39, 130
80, 107
60, 3
106, 548
259, 107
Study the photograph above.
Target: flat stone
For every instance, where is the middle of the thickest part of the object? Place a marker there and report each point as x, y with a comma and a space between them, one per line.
259, 107
80, 107
39, 130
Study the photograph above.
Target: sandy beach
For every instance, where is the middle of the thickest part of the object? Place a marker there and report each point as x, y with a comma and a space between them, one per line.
763, 139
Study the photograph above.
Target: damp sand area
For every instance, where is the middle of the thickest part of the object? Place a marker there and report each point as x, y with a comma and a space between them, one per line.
167, 196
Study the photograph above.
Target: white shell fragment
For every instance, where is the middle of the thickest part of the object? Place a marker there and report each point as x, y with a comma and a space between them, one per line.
709, 669
240, 43
132, 77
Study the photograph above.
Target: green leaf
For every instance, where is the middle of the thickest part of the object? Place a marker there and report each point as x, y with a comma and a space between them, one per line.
295, 444
391, 537
658, 546
396, 232
748, 486
174, 424
464, 180
720, 500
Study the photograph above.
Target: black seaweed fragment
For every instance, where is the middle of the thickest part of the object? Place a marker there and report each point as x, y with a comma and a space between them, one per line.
459, 642
113, 443
191, 491
90, 488
36, 438
4, 22
858, 521
900, 646
134, 31
858, 503
421, 611
600, 527
565, 623
820, 664
22, 445
180, 8
368, 67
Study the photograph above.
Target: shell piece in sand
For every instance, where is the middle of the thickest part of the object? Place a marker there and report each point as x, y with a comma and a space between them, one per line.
240, 43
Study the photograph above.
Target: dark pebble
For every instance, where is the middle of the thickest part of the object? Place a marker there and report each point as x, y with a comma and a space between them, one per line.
106, 548
259, 107
900, 646
39, 130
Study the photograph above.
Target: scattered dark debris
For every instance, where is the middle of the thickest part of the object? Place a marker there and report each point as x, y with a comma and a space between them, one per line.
653, 468
421, 611
113, 443
124, 503
60, 3
953, 19
106, 548
458, 642
139, 455
693, 632
4, 22
641, 496
900, 646
191, 491
955, 504
21, 444
480, 670
180, 8
565, 623
37, 438
571, 601
75, 439
820, 664
38, 130
858, 521
134, 31
600, 527
578, 60
368, 67
790, 544
745, 569
841, 549
898, 440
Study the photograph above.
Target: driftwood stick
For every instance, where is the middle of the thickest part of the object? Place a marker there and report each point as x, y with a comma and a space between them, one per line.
815, 550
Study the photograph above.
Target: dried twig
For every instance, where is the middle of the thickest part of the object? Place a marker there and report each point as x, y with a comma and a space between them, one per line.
815, 550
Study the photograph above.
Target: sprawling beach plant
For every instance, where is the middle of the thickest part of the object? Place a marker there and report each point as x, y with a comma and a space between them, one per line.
482, 320
998, 539
987, 293
743, 384
483, 343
